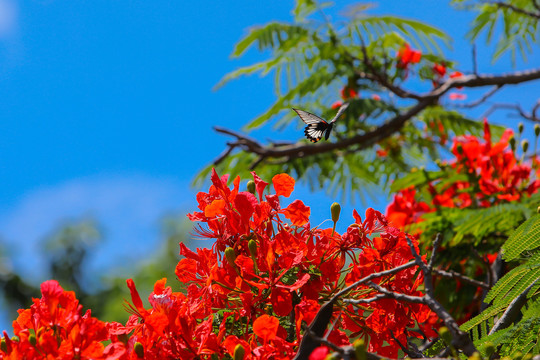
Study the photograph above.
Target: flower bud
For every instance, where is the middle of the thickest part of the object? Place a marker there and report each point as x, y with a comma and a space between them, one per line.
230, 256
359, 346
139, 350
251, 186
524, 146
3, 345
489, 348
239, 352
520, 127
335, 209
32, 339
252, 246
512, 143
536, 129
445, 334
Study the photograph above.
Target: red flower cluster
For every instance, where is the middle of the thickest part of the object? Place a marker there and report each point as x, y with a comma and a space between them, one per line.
264, 271
494, 167
406, 56
55, 328
246, 297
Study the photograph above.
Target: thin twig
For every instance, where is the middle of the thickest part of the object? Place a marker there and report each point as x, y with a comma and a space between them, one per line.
480, 100
455, 275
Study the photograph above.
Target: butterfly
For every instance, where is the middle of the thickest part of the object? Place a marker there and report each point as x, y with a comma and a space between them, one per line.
317, 127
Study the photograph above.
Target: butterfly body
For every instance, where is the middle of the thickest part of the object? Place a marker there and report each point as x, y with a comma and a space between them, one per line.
317, 127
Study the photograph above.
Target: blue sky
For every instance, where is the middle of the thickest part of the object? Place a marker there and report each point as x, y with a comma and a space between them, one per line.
107, 107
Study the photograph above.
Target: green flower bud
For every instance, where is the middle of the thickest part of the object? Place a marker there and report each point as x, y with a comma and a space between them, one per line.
32, 339
251, 186
489, 348
239, 352
536, 129
446, 335
252, 246
335, 209
139, 350
3, 345
359, 346
520, 127
524, 146
512, 143
230, 256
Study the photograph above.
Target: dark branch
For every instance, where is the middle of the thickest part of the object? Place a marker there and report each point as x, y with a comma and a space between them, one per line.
394, 125
460, 339
514, 8
455, 275
522, 113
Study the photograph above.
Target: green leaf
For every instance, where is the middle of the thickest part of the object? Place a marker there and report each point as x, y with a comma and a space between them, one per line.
524, 238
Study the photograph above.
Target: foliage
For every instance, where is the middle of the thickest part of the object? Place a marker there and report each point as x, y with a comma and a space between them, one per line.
504, 298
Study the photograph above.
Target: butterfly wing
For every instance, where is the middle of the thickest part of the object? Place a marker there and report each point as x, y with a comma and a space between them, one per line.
340, 112
316, 126
314, 132
308, 117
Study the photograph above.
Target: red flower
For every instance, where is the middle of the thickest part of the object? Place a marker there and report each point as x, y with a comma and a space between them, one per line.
297, 212
266, 327
319, 353
337, 104
457, 96
382, 153
454, 75
283, 184
407, 56
55, 326
439, 70
348, 93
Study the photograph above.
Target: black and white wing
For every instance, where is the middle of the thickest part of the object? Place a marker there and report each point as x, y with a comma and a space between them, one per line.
315, 125
340, 112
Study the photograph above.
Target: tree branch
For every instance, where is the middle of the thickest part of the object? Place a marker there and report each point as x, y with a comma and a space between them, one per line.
480, 100
460, 339
514, 8
455, 275
370, 138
